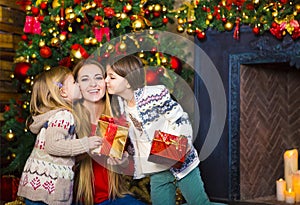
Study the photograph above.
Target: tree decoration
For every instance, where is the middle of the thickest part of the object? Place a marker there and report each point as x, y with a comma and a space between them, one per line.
20, 71
45, 52
61, 32
228, 15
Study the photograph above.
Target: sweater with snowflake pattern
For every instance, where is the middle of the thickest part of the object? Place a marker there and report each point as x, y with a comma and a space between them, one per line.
48, 174
158, 111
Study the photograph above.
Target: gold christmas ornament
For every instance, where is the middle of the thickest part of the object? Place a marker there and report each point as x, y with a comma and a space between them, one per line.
228, 26
180, 29
141, 54
157, 7
123, 15
86, 41
164, 60
27, 81
68, 10
297, 7
42, 43
110, 48
62, 37
33, 56
180, 21
28, 8
76, 53
128, 7
122, 47
138, 24
47, 67
57, 19
255, 2
223, 2
50, 30
190, 31
70, 17
10, 135
150, 7
94, 41
55, 4
13, 155
93, 4
54, 42
209, 16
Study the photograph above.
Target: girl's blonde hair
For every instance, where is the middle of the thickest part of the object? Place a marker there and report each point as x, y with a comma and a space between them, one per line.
84, 183
45, 94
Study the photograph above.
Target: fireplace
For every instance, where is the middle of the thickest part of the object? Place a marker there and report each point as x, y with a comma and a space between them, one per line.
269, 125
261, 79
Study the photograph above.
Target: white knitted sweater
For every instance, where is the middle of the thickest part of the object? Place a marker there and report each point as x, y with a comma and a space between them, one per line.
48, 174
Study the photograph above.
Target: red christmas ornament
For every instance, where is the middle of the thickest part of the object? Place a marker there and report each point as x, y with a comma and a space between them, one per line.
156, 13
35, 11
45, 52
24, 37
6, 108
165, 20
176, 64
66, 61
109, 12
201, 35
151, 77
256, 30
40, 18
43, 5
62, 23
21, 69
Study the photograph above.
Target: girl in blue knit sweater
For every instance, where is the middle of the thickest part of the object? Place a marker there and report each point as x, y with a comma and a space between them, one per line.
150, 108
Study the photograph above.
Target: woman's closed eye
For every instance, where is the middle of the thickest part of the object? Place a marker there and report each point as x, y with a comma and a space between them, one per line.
98, 77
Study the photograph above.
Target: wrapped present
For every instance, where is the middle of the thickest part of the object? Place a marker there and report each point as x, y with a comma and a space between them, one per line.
114, 132
168, 149
9, 187
32, 25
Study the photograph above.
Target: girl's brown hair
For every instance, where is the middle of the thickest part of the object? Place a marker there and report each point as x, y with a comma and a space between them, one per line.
131, 68
85, 178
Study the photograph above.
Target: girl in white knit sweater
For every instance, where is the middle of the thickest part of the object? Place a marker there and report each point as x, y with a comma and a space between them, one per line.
48, 174
151, 108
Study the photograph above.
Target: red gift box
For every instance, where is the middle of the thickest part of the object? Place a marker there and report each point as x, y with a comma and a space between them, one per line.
9, 187
168, 149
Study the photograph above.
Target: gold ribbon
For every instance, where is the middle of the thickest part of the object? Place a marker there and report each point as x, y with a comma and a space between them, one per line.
175, 142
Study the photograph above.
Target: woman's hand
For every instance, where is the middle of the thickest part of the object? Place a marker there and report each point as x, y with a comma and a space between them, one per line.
115, 162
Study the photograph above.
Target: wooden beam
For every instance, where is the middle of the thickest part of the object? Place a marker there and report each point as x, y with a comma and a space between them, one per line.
11, 28
8, 96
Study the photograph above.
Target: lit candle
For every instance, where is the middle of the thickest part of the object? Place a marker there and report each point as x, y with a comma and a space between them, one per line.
280, 189
296, 185
290, 166
290, 197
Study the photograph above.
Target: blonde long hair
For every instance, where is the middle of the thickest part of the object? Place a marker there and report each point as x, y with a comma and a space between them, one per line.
45, 94
85, 178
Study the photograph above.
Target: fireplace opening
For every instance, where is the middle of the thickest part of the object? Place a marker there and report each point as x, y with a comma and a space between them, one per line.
269, 125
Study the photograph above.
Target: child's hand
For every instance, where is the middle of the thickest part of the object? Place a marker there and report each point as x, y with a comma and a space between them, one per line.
94, 142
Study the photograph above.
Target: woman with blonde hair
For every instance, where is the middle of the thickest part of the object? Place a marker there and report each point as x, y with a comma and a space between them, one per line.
48, 176
97, 183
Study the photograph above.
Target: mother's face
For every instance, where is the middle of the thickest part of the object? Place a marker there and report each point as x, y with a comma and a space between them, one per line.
91, 81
